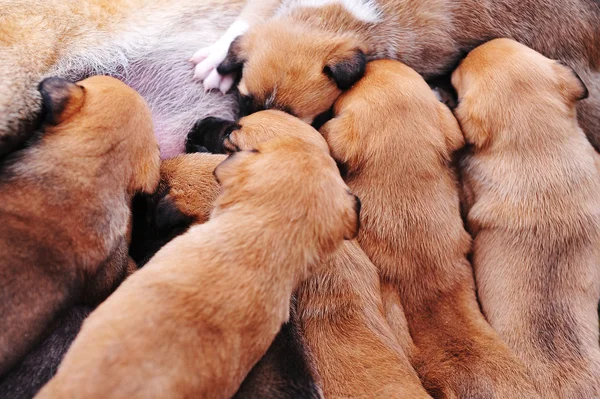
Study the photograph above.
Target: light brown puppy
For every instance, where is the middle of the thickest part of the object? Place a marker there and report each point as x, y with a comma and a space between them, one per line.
396, 140
185, 197
215, 297
65, 205
307, 52
532, 193
339, 308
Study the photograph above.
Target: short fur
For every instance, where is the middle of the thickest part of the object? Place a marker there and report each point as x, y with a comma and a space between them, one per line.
532, 193
185, 197
339, 309
219, 293
146, 44
39, 366
303, 57
65, 206
396, 140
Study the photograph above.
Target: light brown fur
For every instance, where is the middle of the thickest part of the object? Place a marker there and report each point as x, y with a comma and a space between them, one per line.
286, 62
396, 140
215, 297
339, 308
532, 192
65, 206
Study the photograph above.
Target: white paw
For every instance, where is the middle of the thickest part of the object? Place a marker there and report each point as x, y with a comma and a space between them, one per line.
208, 59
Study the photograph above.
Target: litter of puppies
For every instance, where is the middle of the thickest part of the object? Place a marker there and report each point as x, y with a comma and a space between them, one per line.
349, 236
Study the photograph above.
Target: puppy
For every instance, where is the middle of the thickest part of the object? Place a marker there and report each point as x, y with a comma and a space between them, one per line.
185, 197
396, 139
219, 293
65, 205
305, 53
339, 308
532, 191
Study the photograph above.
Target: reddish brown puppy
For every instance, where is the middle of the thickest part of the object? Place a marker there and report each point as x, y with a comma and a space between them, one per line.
396, 139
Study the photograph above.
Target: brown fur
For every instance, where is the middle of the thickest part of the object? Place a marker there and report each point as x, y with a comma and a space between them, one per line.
396, 140
65, 205
533, 199
215, 297
185, 197
286, 59
339, 309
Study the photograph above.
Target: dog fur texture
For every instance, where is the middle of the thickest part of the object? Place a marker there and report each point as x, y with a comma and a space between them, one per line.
339, 308
144, 43
396, 141
276, 222
532, 193
307, 52
185, 197
65, 205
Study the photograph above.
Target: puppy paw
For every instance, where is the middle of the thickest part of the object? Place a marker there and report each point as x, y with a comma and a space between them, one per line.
208, 135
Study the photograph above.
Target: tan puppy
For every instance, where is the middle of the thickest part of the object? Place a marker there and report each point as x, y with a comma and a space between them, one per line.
339, 308
185, 197
309, 51
215, 297
65, 205
396, 140
533, 199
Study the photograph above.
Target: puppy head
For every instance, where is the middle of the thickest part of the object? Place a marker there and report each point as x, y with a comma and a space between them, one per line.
292, 68
110, 121
502, 79
290, 177
389, 116
184, 197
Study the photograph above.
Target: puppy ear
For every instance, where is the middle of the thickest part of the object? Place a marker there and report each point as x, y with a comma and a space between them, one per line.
234, 61
60, 99
346, 66
570, 83
353, 221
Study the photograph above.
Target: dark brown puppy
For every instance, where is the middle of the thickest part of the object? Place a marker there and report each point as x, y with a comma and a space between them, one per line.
65, 206
532, 190
396, 140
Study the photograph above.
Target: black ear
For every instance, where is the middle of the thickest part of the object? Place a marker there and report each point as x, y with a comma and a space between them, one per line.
233, 62
584, 92
58, 95
346, 71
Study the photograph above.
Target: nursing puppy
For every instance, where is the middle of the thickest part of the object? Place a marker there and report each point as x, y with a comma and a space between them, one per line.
219, 306
144, 43
308, 52
184, 198
532, 191
339, 308
396, 140
65, 206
